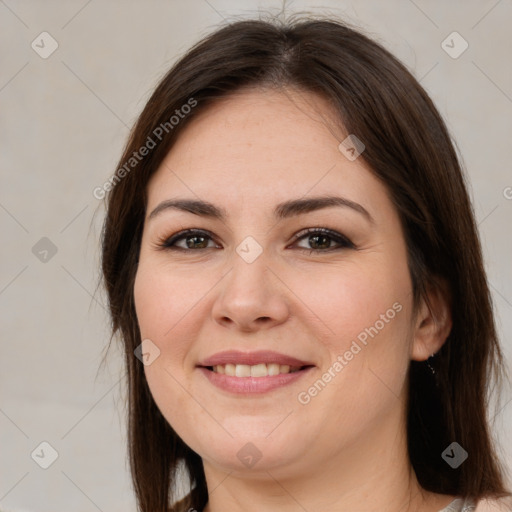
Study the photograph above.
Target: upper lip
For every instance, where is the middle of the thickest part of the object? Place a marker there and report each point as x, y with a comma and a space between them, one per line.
252, 358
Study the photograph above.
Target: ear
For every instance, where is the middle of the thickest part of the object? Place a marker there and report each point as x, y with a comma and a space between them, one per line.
433, 324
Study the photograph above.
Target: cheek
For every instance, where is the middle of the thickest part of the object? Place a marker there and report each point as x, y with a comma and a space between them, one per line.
347, 302
151, 298
164, 308
363, 313
164, 305
164, 299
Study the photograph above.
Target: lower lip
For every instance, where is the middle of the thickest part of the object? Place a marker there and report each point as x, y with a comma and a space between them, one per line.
252, 384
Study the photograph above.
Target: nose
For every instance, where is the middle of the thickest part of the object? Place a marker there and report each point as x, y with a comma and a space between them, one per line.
251, 296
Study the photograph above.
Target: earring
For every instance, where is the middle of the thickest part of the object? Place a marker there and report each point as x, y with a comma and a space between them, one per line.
429, 365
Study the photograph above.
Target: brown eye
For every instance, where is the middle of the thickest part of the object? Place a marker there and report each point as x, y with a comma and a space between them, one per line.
194, 239
320, 240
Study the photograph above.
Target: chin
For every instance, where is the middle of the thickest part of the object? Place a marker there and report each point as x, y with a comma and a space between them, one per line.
253, 451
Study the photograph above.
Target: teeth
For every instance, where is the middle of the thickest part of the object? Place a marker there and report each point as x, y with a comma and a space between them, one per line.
229, 369
273, 368
242, 370
257, 370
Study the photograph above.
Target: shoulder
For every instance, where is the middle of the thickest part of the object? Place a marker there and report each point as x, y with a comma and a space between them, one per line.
494, 505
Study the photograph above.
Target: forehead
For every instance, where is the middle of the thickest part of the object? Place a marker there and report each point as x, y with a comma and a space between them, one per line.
261, 124
266, 145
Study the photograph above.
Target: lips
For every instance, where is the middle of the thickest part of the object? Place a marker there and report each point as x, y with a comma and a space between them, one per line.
253, 358
258, 370
253, 372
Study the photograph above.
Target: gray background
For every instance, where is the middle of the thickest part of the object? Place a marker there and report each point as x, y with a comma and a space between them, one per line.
64, 120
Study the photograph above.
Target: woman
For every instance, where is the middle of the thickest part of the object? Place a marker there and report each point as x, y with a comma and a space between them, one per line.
293, 264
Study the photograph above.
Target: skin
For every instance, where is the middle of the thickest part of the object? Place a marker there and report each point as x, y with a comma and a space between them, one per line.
346, 448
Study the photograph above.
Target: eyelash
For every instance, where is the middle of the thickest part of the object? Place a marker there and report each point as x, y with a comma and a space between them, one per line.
343, 241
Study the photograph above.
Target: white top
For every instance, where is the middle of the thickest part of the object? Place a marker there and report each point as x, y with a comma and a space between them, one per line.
460, 505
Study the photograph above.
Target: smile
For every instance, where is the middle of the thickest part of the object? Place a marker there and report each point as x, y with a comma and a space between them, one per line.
256, 370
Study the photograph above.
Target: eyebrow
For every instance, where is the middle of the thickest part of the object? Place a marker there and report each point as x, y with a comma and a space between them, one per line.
282, 210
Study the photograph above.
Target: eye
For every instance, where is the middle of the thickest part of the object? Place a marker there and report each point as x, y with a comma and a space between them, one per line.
319, 238
194, 239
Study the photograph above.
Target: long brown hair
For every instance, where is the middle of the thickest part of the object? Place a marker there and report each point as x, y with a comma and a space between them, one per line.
409, 149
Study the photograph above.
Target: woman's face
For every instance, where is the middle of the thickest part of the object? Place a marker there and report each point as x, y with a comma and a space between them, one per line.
339, 303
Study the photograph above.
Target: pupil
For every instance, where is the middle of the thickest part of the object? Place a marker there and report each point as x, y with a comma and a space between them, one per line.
317, 237
191, 244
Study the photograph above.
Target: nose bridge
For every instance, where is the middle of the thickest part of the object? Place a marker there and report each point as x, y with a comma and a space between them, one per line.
250, 294
248, 279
